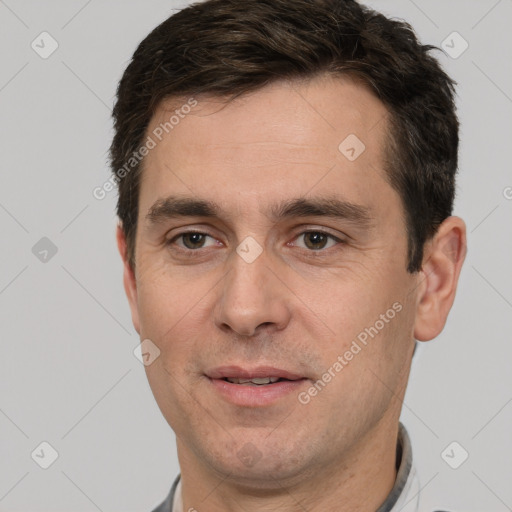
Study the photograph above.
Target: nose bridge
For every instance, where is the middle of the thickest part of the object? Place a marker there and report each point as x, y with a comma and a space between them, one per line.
251, 293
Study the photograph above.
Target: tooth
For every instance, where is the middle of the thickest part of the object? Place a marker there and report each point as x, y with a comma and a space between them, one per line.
257, 380
261, 380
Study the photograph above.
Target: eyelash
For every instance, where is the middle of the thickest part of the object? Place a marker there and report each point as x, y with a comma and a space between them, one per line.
196, 252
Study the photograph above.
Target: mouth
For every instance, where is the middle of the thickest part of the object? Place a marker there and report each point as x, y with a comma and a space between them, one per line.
258, 381
254, 387
261, 375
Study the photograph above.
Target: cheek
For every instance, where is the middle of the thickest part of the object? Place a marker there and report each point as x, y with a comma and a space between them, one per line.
166, 301
366, 370
371, 319
350, 303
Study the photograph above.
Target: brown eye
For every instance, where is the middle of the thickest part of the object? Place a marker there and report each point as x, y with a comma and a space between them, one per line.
315, 240
193, 240
190, 241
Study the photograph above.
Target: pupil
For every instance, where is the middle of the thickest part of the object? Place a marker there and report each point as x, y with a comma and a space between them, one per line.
316, 238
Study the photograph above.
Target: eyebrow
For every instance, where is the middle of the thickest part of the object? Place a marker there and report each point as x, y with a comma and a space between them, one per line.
184, 206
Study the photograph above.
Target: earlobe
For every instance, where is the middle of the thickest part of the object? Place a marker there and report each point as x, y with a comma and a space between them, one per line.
443, 260
129, 281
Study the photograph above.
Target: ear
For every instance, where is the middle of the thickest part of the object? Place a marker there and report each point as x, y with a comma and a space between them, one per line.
130, 285
442, 263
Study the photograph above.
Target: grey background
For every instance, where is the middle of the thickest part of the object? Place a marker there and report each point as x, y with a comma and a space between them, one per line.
68, 375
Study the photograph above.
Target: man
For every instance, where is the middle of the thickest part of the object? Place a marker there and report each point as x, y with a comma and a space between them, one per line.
286, 181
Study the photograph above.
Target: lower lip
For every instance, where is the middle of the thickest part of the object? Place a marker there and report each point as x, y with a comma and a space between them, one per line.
254, 395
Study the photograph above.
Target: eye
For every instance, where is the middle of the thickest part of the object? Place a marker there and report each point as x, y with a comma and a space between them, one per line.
191, 240
317, 240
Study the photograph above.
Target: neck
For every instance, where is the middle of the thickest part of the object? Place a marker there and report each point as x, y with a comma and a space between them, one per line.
357, 481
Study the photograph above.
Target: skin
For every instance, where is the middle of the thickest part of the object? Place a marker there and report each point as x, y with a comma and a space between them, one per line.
293, 307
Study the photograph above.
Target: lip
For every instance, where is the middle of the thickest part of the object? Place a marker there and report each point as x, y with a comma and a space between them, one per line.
254, 396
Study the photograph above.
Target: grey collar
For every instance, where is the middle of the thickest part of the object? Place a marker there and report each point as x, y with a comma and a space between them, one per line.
403, 467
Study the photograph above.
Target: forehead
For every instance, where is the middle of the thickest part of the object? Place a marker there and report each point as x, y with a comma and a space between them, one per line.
288, 138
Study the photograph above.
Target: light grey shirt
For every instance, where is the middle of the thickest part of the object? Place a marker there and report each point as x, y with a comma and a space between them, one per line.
404, 497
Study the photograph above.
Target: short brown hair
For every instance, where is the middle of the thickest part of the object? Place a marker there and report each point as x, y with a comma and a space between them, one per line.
231, 47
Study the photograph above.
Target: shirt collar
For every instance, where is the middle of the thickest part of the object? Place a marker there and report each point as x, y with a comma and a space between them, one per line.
404, 496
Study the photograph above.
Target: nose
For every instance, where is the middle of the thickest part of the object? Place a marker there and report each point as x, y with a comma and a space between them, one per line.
252, 297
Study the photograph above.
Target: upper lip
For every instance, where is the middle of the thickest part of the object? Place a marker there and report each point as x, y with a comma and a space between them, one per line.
237, 372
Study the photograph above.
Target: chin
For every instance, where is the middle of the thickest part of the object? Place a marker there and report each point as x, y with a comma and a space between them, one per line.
255, 466
264, 478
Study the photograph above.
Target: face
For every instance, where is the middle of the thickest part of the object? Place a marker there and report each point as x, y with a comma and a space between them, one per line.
296, 270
